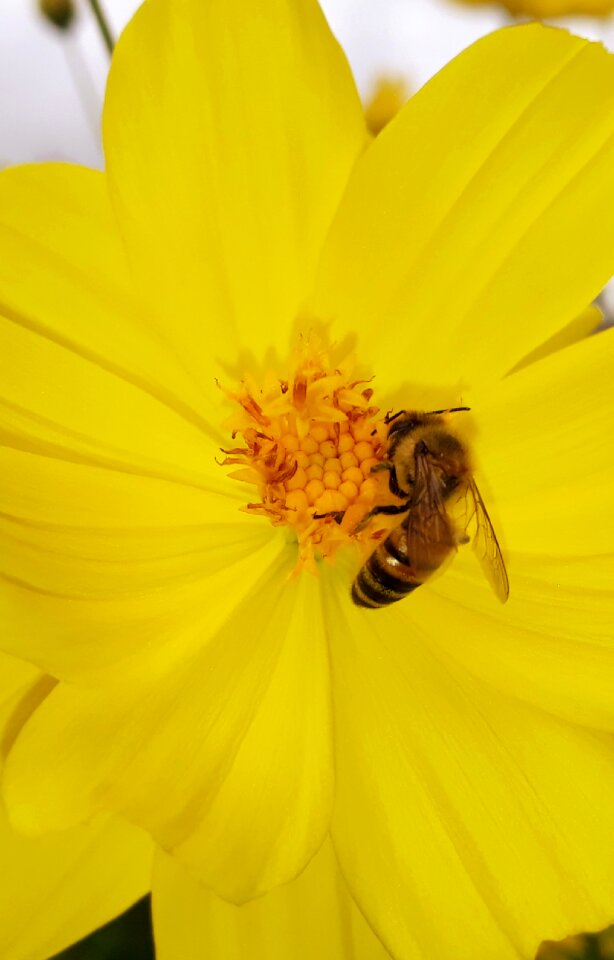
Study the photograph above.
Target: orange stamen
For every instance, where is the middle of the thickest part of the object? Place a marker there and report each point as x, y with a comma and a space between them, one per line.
312, 463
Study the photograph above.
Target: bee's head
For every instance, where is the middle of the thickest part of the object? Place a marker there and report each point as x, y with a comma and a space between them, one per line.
403, 428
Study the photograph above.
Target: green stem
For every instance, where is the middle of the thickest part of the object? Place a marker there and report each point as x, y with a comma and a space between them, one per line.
103, 25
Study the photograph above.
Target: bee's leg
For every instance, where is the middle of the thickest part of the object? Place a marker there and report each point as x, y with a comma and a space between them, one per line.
389, 509
393, 481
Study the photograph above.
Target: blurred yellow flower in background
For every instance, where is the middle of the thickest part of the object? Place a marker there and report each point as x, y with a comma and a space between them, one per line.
552, 9
386, 99
305, 764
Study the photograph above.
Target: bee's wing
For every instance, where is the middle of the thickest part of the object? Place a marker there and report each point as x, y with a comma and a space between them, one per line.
486, 545
430, 536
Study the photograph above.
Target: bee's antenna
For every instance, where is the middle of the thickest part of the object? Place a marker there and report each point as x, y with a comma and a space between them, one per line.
451, 410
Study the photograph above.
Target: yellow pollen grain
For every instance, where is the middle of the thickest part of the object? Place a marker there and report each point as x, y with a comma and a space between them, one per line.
302, 459
309, 444
313, 490
346, 442
367, 465
348, 490
316, 458
348, 459
330, 502
315, 472
319, 432
297, 481
368, 488
331, 479
333, 463
290, 442
362, 431
326, 502
297, 500
354, 474
328, 449
363, 450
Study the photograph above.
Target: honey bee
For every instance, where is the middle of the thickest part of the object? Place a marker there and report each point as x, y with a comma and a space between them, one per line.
429, 471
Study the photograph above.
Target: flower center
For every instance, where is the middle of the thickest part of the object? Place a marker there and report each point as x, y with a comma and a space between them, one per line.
309, 443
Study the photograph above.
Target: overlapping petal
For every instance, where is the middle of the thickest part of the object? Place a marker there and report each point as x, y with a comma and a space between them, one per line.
542, 437
112, 502
225, 757
96, 562
582, 326
474, 227
64, 885
230, 130
313, 918
102, 596
450, 795
551, 644
81, 362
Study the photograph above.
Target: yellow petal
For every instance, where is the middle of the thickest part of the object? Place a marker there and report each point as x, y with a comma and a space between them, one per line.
109, 487
272, 811
467, 823
57, 889
551, 644
542, 441
580, 327
99, 565
75, 635
225, 756
312, 918
83, 375
159, 697
65, 885
477, 224
230, 130
22, 689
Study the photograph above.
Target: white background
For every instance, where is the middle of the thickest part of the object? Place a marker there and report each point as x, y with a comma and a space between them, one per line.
52, 83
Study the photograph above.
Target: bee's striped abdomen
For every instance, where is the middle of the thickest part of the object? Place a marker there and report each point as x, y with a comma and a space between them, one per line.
387, 575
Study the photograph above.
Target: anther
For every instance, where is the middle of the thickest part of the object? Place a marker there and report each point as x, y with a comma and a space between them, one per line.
311, 442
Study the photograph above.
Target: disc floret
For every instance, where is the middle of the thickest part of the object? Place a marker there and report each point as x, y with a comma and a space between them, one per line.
309, 443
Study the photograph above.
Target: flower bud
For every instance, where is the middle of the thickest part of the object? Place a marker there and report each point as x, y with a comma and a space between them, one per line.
59, 12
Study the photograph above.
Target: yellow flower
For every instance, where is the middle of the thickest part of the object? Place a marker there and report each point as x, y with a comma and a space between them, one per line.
445, 764
552, 9
386, 99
